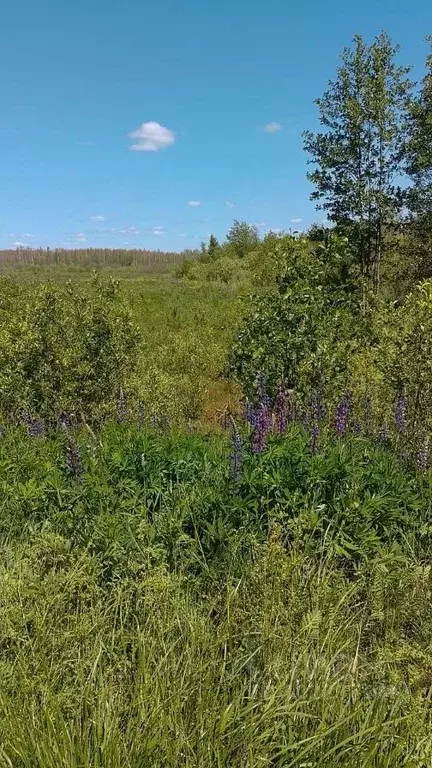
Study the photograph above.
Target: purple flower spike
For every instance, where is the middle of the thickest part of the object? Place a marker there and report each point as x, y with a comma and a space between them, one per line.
36, 428
343, 411
262, 392
314, 440
259, 440
400, 413
383, 435
73, 458
423, 457
121, 408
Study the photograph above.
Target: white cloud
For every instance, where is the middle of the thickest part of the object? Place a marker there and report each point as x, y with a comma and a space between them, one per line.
273, 127
158, 231
296, 221
97, 218
151, 137
81, 238
126, 231
18, 244
229, 204
194, 203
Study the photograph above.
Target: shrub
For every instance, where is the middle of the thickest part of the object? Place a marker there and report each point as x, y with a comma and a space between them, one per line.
64, 349
305, 327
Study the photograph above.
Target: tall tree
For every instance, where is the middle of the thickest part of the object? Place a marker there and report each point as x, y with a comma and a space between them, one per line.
359, 154
242, 237
419, 163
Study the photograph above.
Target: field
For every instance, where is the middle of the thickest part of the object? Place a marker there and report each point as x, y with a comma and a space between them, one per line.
173, 596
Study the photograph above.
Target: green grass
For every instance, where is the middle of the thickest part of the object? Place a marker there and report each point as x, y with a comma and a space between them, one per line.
186, 331
154, 614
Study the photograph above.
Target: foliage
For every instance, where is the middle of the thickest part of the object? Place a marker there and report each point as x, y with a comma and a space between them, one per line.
242, 238
419, 168
152, 579
303, 330
359, 156
62, 349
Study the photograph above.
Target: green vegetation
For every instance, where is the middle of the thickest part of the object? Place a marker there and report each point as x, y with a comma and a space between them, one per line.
215, 482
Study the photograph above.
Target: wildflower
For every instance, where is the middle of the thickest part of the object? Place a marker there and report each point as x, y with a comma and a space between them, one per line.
235, 457
318, 408
263, 395
383, 435
121, 408
314, 440
343, 411
140, 410
36, 428
154, 422
400, 409
64, 420
73, 458
423, 456
251, 414
2, 431
26, 418
358, 428
261, 429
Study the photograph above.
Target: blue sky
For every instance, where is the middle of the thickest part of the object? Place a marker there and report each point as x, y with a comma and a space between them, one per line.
231, 82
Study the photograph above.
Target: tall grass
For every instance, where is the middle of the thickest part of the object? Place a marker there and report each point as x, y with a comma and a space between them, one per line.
153, 614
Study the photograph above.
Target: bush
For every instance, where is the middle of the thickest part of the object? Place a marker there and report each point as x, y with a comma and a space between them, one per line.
305, 327
64, 349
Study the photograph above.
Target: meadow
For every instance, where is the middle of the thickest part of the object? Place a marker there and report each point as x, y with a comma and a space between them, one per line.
182, 584
215, 475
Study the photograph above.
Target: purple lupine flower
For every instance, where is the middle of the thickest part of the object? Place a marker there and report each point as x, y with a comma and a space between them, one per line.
165, 422
281, 409
422, 459
64, 420
358, 428
261, 429
122, 408
154, 422
383, 435
26, 418
73, 458
400, 413
36, 428
314, 439
263, 395
2, 431
318, 407
236, 456
251, 414
343, 411
140, 413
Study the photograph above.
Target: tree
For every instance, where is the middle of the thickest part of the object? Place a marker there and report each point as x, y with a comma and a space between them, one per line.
242, 237
419, 163
359, 155
213, 247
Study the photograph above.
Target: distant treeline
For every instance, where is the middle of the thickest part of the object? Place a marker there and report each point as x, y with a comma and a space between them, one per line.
95, 256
